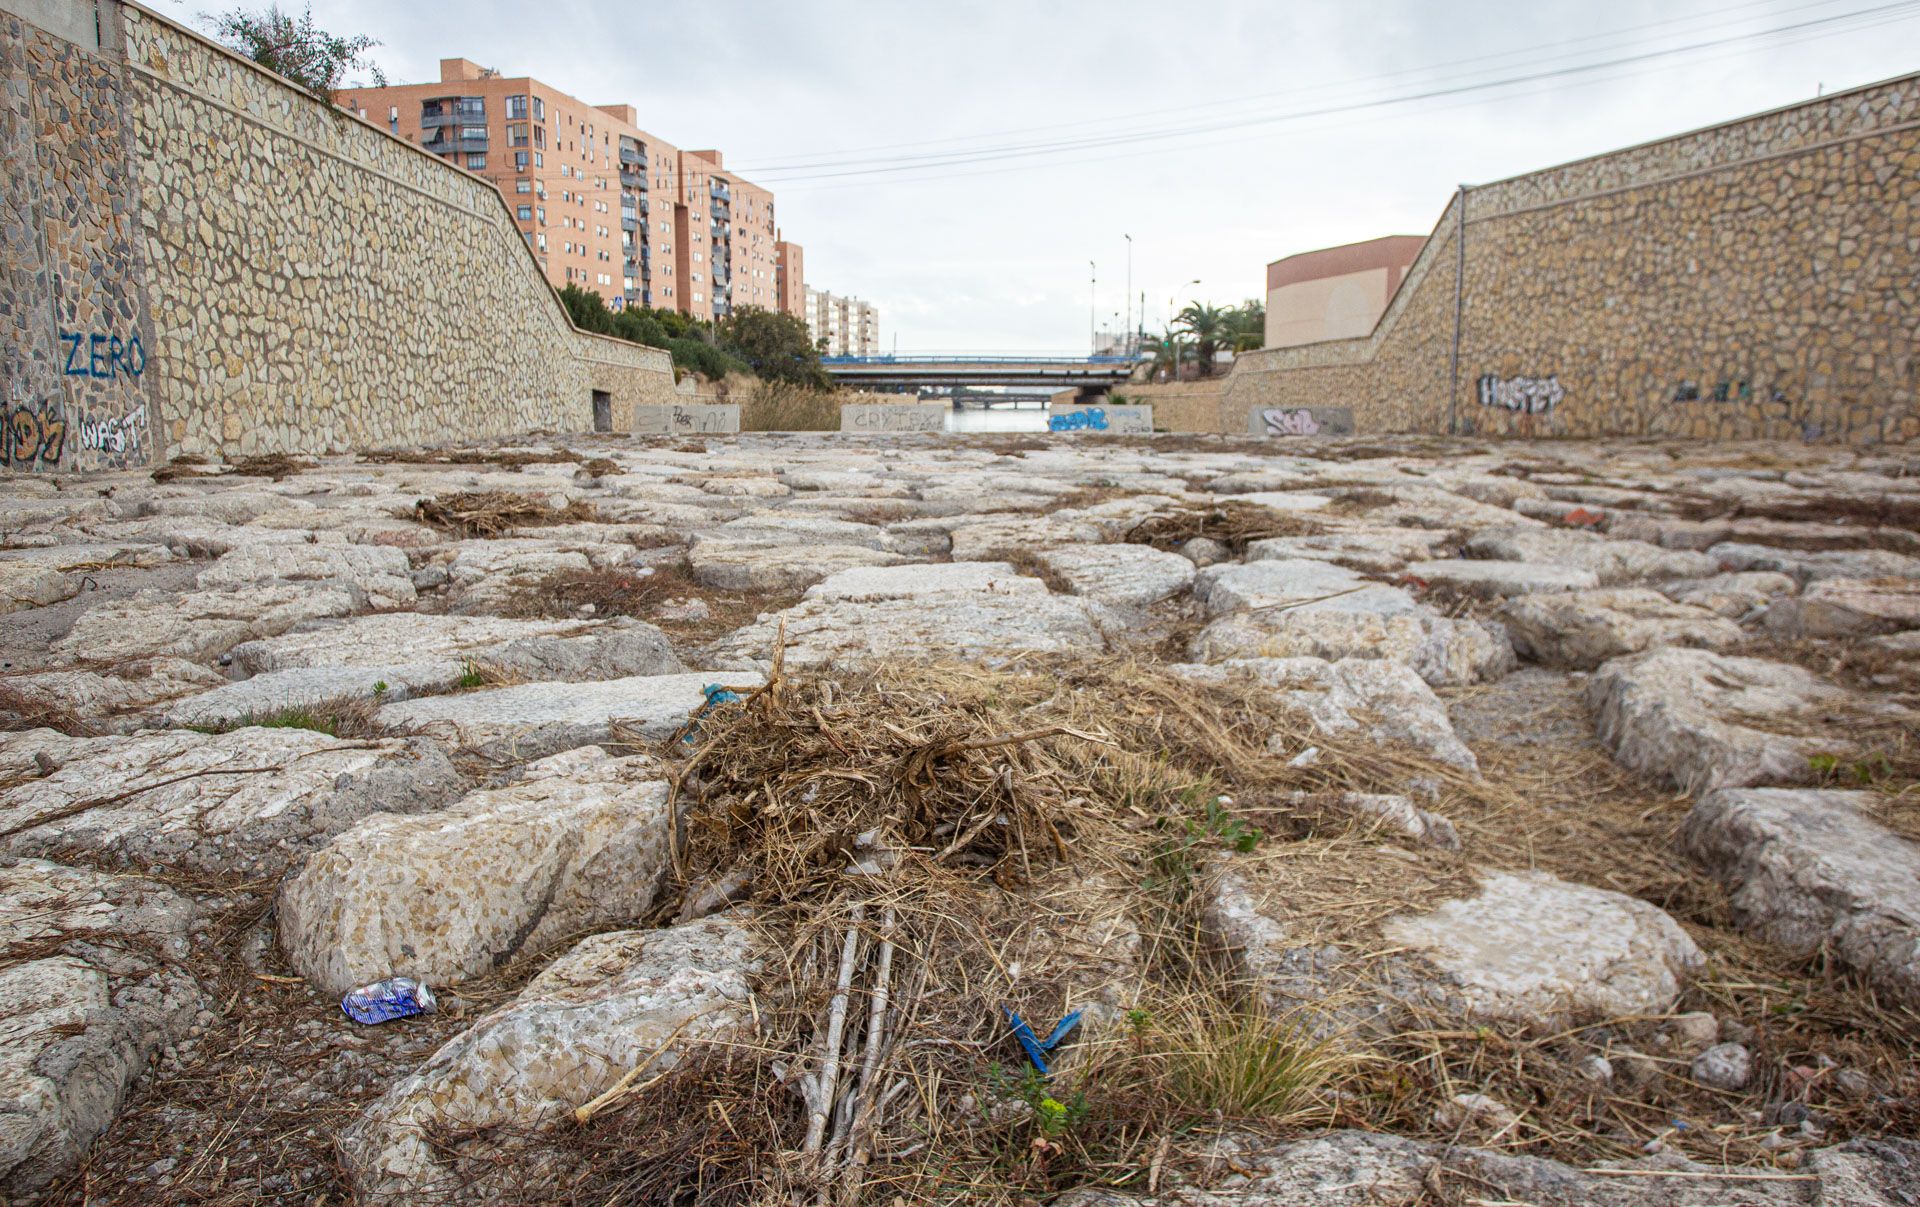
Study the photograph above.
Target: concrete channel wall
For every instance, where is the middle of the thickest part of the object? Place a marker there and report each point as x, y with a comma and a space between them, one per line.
1755, 279
197, 257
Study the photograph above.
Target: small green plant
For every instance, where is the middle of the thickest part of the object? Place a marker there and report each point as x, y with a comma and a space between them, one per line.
1864, 771
471, 675
1052, 1118
380, 689
1174, 863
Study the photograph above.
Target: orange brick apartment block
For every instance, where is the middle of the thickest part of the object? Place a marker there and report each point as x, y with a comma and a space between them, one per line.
603, 203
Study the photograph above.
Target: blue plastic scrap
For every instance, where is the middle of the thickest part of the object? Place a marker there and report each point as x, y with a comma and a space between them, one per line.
1037, 1049
716, 696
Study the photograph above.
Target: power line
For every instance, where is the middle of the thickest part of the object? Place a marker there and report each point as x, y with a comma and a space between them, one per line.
1081, 160
1904, 9
825, 158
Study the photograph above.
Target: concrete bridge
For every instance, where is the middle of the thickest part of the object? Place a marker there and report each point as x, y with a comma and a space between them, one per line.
902, 374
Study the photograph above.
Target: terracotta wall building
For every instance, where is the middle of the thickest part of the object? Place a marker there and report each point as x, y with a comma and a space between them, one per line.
605, 204
1337, 292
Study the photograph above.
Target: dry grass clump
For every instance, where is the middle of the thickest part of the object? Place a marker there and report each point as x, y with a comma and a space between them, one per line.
927, 845
277, 466
1233, 523
20, 711
651, 597
186, 465
778, 406
493, 513
602, 467
513, 459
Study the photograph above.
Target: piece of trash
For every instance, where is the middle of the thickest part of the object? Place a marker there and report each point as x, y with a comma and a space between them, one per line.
716, 696
384, 1001
1037, 1049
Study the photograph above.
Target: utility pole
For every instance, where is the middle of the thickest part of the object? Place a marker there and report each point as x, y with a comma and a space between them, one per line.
1093, 324
1126, 338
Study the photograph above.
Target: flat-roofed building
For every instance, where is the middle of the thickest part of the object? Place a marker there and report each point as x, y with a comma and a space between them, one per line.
1336, 292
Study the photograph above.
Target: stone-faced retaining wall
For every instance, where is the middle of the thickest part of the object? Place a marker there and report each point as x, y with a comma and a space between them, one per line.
1179, 406
1757, 279
275, 274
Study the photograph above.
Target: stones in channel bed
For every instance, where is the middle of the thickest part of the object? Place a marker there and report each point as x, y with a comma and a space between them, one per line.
579, 843
977, 626
1582, 629
1811, 871
1385, 700
241, 804
867, 584
1497, 579
1702, 720
1848, 607
531, 720
1523, 947
102, 989
614, 1003
381, 574
1611, 561
1367, 1169
1121, 576
1301, 608
199, 625
562, 652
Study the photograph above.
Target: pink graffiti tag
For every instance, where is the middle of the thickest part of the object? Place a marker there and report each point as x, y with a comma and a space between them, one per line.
1291, 423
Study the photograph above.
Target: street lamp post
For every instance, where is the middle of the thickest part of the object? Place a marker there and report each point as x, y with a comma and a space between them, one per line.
1093, 281
1126, 339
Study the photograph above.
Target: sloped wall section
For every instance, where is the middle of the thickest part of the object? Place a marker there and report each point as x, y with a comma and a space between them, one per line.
204, 259
1755, 279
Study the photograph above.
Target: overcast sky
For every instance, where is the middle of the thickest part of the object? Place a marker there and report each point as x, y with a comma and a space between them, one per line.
992, 254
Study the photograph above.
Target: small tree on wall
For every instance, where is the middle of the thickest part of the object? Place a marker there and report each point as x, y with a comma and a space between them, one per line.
295, 47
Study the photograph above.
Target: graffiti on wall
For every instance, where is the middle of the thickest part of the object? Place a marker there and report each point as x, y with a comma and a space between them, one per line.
33, 434
119, 436
1295, 421
1725, 390
1522, 395
1118, 419
103, 357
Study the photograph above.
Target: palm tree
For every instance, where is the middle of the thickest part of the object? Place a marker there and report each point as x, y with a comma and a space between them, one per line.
1249, 324
1167, 352
1208, 328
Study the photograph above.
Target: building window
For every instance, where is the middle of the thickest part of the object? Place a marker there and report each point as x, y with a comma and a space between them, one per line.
477, 133
517, 107
524, 213
539, 110
523, 186
543, 215
543, 240
539, 160
520, 162
517, 134
476, 163
540, 137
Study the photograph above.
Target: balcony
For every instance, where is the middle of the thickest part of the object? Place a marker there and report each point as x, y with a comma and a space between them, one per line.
633, 157
452, 145
633, 180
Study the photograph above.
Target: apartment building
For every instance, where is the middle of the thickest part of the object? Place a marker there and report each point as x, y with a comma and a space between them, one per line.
789, 276
605, 204
841, 326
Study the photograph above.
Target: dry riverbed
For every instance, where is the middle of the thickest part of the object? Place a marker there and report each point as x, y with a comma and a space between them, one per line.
1405, 821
